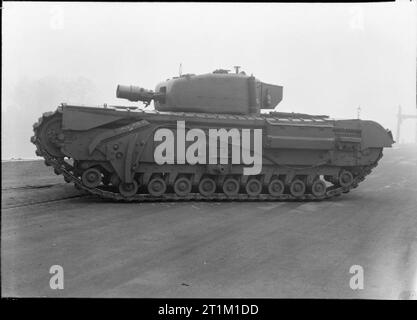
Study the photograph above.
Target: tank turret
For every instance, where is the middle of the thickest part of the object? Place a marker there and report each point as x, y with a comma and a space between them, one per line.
217, 92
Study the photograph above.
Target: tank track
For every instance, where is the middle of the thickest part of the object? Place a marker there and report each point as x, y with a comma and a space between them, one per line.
61, 167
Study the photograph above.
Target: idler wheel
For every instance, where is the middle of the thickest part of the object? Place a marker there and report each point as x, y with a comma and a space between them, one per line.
318, 188
345, 178
231, 187
297, 188
128, 189
207, 187
51, 136
91, 178
157, 187
182, 186
276, 188
253, 187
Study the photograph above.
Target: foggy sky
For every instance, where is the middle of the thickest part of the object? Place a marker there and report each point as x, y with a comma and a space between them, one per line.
330, 58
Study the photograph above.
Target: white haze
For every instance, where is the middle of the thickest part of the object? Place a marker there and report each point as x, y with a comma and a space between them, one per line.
330, 58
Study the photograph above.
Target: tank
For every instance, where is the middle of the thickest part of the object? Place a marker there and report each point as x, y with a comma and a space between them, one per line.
207, 139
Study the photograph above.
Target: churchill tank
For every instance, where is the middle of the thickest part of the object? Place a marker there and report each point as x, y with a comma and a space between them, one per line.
214, 136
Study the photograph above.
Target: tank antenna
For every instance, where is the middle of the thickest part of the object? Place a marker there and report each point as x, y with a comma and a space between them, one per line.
180, 70
358, 114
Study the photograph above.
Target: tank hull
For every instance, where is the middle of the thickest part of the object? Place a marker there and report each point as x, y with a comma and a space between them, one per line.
114, 153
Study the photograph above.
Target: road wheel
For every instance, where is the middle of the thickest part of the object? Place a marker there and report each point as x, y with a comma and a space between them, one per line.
91, 178
207, 187
318, 188
157, 187
253, 187
297, 188
182, 186
128, 189
345, 178
276, 188
231, 187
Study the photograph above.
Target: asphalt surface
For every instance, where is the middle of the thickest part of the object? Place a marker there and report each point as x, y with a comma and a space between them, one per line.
211, 249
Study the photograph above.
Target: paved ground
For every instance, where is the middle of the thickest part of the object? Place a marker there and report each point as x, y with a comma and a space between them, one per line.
192, 249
